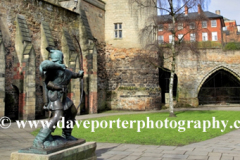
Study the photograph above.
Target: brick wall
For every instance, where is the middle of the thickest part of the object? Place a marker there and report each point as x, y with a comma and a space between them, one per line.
231, 35
199, 30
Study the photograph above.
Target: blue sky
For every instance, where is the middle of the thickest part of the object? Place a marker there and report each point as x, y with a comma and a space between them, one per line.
229, 8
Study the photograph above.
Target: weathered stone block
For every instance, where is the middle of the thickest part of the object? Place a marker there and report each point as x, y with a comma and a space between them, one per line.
85, 151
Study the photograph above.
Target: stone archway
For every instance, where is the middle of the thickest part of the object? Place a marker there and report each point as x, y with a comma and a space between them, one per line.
220, 86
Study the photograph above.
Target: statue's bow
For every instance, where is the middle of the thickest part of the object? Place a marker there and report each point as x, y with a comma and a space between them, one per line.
80, 57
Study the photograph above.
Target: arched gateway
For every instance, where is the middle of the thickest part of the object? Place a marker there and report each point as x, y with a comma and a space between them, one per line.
220, 86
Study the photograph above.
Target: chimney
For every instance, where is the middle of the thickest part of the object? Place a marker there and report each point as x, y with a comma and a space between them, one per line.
218, 12
199, 9
186, 10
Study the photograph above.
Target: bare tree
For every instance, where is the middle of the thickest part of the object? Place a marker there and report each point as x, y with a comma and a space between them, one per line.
173, 19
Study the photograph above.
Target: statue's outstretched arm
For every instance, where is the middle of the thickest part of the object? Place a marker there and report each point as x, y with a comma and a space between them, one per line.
53, 86
49, 65
78, 75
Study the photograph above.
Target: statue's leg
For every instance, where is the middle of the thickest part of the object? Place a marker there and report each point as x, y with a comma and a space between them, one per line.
70, 115
57, 115
41, 137
45, 132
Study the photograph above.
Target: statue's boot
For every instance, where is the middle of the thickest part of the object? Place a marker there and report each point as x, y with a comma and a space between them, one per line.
67, 134
70, 115
43, 134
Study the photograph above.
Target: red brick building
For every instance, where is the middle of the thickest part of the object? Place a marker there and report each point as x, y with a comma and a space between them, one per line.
195, 26
230, 24
231, 31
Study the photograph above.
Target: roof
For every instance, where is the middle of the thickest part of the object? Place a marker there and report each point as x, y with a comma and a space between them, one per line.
226, 19
212, 15
192, 15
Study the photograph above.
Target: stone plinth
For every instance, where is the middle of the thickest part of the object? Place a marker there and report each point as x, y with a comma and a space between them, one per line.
84, 151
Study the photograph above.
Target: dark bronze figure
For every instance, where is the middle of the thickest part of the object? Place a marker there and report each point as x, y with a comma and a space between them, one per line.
56, 80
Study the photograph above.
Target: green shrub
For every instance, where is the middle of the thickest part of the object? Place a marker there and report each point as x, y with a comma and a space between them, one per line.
209, 44
232, 46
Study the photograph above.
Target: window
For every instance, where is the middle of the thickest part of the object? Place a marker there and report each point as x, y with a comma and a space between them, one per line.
213, 23
192, 37
180, 26
170, 26
192, 25
160, 39
204, 24
118, 30
205, 36
170, 38
180, 37
160, 27
238, 28
224, 28
214, 36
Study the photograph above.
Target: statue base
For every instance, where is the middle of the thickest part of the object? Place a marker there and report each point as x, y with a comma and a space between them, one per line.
50, 149
84, 151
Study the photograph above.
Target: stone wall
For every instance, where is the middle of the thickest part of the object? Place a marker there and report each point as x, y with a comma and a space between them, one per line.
125, 82
2, 77
93, 27
29, 26
95, 12
194, 69
23, 37
132, 18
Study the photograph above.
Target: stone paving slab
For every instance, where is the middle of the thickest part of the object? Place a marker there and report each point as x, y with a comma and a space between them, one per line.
225, 147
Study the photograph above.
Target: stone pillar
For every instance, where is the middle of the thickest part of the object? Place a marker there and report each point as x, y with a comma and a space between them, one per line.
29, 82
186, 95
84, 41
46, 40
71, 59
24, 70
2, 76
90, 64
93, 83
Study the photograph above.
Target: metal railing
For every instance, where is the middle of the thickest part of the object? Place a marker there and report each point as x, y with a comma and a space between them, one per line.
215, 95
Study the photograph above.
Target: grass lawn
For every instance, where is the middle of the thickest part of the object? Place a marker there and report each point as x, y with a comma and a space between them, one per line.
158, 136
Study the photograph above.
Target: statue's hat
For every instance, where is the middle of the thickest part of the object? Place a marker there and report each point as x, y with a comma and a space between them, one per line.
55, 55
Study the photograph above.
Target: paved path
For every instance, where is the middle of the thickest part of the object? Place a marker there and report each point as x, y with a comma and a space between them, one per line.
225, 147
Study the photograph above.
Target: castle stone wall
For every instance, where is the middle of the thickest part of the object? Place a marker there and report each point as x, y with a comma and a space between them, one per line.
193, 70
34, 12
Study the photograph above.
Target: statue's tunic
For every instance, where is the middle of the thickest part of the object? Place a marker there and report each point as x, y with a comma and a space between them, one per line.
58, 98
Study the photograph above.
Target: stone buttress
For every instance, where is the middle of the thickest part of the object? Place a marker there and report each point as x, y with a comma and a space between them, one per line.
2, 76
24, 69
